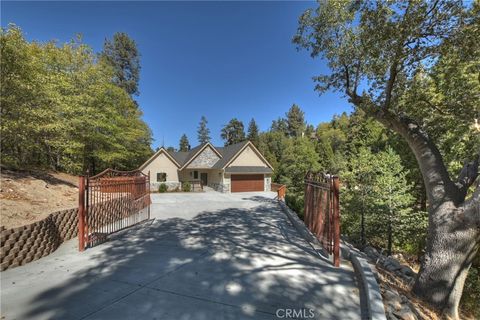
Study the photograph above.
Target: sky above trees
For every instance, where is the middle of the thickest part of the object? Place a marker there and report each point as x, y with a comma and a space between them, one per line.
221, 60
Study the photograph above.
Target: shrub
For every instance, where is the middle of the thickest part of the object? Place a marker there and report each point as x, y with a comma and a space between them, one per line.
186, 187
295, 203
162, 188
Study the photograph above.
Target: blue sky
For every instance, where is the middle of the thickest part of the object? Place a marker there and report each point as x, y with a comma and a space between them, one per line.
218, 59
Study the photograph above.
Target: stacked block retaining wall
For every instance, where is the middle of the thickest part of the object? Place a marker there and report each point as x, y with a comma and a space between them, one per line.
21, 245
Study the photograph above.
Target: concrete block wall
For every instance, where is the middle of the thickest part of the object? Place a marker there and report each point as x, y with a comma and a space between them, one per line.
21, 245
24, 244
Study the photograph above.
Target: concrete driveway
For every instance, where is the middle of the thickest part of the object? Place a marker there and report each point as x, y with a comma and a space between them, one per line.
202, 256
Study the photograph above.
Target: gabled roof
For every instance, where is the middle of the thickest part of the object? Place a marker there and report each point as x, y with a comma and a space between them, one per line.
197, 150
179, 156
227, 154
156, 154
239, 147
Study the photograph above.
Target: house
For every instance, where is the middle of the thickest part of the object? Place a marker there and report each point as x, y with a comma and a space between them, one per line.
236, 168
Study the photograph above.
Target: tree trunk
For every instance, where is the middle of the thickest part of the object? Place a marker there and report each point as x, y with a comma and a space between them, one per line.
453, 224
389, 244
363, 240
452, 243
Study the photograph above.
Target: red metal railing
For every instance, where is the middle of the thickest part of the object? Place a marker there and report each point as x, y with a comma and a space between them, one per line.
109, 202
322, 211
280, 189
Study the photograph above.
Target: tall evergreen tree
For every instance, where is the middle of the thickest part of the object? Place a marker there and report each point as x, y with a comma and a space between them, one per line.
393, 194
253, 132
280, 125
122, 54
359, 177
184, 144
295, 121
233, 132
203, 131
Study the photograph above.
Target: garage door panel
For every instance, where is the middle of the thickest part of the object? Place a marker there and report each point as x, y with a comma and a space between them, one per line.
247, 182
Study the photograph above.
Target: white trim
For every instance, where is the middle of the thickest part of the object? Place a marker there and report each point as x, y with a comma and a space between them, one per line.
155, 155
241, 150
200, 151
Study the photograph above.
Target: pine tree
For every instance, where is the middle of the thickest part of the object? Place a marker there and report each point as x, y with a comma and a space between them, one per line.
393, 195
280, 125
253, 132
295, 121
233, 132
122, 54
203, 131
184, 145
358, 196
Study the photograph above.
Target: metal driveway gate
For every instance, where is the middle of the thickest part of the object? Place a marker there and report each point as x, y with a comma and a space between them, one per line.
322, 211
109, 202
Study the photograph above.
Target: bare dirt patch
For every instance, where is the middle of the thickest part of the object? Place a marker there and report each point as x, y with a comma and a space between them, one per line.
29, 196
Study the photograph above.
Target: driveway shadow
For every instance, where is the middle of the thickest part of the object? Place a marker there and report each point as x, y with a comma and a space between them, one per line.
235, 263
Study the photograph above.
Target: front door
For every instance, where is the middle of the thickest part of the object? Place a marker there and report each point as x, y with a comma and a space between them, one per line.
204, 178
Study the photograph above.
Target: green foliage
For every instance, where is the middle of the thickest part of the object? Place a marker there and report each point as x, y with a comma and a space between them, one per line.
61, 110
253, 132
184, 144
295, 121
280, 125
162, 188
203, 131
122, 55
297, 158
186, 186
233, 132
417, 65
472, 291
296, 203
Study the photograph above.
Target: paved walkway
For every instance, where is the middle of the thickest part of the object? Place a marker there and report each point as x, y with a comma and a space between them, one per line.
203, 256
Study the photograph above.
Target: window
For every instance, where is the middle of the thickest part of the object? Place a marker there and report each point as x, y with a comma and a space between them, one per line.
195, 174
161, 177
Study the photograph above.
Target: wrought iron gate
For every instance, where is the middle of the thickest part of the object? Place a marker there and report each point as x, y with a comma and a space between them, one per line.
109, 202
322, 211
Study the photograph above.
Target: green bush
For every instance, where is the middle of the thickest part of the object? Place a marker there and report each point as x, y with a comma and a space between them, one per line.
186, 187
162, 188
295, 202
471, 292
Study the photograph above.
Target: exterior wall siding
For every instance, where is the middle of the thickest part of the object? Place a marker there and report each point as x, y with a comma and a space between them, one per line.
248, 157
162, 163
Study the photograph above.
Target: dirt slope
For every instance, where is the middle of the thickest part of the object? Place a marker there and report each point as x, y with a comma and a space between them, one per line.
27, 196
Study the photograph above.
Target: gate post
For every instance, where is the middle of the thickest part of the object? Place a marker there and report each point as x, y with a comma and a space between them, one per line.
149, 200
336, 221
81, 213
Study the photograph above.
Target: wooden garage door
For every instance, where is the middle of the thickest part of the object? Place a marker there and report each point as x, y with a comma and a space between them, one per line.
247, 182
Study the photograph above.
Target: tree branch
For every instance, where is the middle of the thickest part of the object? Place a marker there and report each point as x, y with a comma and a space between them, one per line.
438, 184
390, 83
467, 176
472, 206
